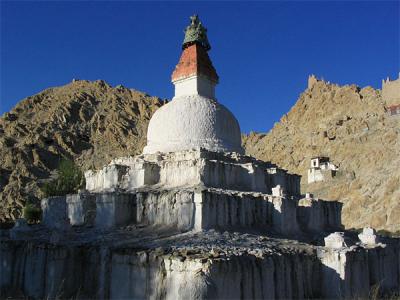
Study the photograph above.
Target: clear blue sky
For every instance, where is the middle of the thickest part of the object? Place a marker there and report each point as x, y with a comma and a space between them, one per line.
263, 51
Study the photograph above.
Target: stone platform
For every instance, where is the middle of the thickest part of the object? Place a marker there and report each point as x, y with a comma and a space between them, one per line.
230, 171
196, 208
193, 225
154, 262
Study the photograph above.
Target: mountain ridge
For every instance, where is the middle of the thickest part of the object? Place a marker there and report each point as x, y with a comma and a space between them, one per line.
92, 123
351, 126
89, 122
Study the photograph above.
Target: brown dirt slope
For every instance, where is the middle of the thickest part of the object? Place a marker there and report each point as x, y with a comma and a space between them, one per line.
349, 125
90, 122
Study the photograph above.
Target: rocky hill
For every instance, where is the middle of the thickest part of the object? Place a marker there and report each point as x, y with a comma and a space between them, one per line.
90, 122
351, 127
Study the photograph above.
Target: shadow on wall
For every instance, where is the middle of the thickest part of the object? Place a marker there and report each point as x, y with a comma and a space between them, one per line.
352, 273
318, 215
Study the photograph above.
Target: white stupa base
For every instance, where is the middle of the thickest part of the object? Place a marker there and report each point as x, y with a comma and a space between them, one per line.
192, 122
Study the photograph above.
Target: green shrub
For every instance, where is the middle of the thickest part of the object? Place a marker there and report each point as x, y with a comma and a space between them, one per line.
388, 233
70, 179
32, 214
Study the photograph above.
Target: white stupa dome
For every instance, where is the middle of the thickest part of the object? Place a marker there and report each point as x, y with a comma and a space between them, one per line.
190, 122
194, 119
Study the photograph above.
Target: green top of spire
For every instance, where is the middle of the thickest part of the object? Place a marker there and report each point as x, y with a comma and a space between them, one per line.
196, 33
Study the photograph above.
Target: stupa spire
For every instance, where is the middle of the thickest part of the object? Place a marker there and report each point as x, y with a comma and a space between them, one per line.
194, 74
196, 33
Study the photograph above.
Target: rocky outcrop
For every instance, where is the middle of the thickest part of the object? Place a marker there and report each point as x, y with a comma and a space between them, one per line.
351, 127
90, 122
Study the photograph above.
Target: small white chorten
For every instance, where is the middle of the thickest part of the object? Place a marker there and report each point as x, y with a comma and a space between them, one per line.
368, 237
335, 240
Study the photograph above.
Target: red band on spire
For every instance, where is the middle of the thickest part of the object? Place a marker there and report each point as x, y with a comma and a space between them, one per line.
194, 61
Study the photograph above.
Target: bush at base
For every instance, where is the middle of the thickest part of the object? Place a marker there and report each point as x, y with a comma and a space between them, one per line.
70, 180
32, 214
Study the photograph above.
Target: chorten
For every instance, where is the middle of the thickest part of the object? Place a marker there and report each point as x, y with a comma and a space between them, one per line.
193, 219
194, 119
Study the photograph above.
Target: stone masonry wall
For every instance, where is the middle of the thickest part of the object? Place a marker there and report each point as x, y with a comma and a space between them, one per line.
50, 271
391, 91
